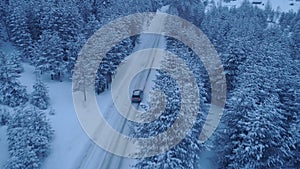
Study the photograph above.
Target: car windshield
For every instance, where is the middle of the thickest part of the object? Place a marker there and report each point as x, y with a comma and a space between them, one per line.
136, 92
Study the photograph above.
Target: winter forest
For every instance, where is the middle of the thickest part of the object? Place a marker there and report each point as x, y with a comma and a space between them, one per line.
259, 47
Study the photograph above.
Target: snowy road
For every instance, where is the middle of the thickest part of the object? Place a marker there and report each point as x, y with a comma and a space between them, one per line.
97, 158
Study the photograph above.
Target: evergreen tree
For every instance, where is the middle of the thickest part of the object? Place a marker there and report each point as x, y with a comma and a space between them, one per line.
255, 139
110, 63
33, 16
29, 136
101, 83
86, 9
23, 158
296, 160
17, 24
258, 130
92, 25
39, 96
69, 25
186, 154
13, 94
61, 26
3, 6
296, 40
233, 56
49, 54
285, 19
71, 54
191, 10
47, 14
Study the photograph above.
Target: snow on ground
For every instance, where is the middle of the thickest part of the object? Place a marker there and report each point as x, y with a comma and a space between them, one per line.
68, 136
27, 77
281, 5
3, 146
8, 49
70, 141
206, 160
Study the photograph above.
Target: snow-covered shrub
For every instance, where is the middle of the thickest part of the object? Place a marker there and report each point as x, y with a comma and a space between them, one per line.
39, 96
29, 137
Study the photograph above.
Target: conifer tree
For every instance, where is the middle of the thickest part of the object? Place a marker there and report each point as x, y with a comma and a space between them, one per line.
12, 93
39, 96
29, 137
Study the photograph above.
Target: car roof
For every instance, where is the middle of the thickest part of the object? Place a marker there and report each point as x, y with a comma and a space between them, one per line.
137, 91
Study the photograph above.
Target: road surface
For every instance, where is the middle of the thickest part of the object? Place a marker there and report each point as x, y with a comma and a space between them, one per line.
94, 157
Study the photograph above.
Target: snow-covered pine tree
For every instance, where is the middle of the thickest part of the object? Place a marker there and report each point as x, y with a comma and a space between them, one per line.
110, 63
47, 14
67, 21
286, 19
61, 26
23, 158
287, 86
186, 154
295, 104
3, 6
3, 11
191, 10
49, 54
91, 26
12, 93
258, 130
71, 54
101, 83
100, 10
15, 63
69, 25
233, 56
280, 52
195, 65
39, 96
296, 128
172, 158
255, 141
289, 99
29, 137
296, 39
17, 24
33, 14
86, 9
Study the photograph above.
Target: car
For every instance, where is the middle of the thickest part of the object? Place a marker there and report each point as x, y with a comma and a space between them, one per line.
137, 96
